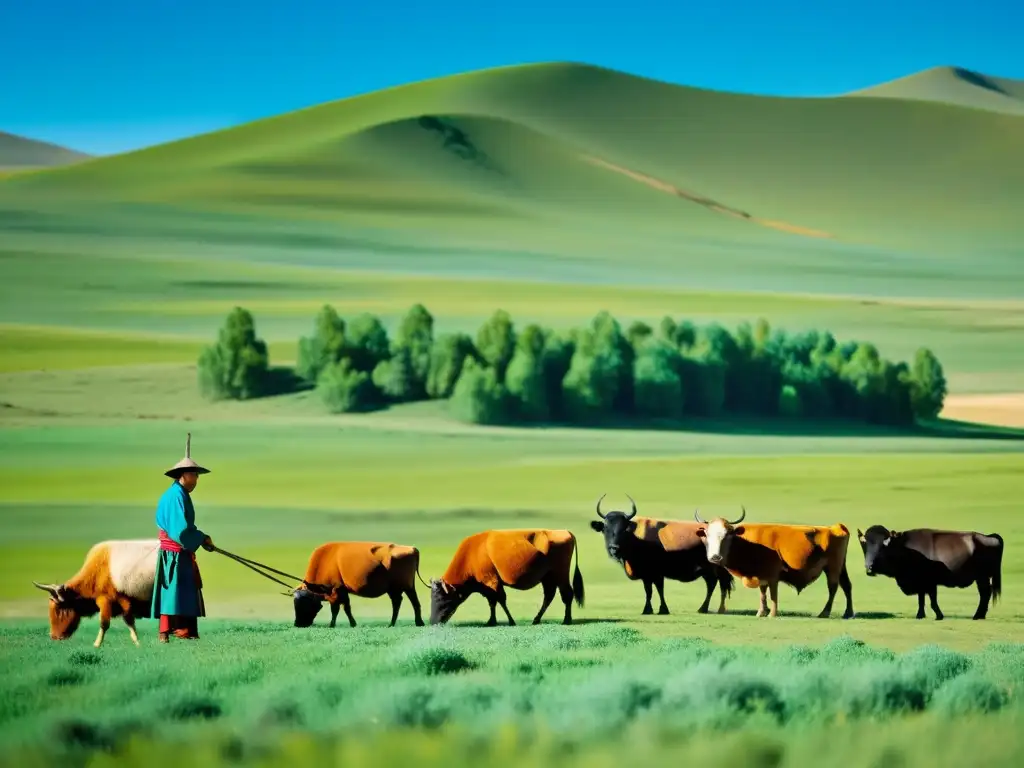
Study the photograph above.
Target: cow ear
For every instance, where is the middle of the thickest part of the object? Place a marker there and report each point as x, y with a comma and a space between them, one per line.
701, 533
597, 525
860, 534
738, 530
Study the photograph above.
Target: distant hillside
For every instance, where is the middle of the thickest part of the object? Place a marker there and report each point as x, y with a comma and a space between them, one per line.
956, 86
569, 164
17, 152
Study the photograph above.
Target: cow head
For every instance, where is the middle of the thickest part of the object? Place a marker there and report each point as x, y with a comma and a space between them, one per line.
309, 599
718, 535
617, 527
67, 608
876, 544
444, 599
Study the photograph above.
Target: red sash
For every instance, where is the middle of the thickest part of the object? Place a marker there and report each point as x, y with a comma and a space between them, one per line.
167, 544
170, 545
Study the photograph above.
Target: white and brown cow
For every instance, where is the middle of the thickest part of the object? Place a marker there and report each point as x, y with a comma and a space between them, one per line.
116, 579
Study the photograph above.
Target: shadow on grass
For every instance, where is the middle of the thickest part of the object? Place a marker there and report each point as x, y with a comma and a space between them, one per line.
529, 622
782, 427
867, 615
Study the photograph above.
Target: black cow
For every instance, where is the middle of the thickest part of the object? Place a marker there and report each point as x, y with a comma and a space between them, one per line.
923, 559
654, 550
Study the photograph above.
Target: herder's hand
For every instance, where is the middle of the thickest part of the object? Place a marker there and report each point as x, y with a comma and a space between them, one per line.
208, 544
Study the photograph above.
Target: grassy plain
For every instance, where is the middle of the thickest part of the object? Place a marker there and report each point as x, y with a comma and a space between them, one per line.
572, 190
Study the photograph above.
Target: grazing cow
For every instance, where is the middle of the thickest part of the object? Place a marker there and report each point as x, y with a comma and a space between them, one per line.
654, 550
923, 559
116, 579
763, 554
362, 568
489, 561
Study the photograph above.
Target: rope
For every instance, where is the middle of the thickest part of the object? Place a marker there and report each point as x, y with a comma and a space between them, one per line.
256, 566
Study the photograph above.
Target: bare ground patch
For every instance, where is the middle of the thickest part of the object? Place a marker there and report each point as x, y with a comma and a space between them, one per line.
707, 202
1003, 410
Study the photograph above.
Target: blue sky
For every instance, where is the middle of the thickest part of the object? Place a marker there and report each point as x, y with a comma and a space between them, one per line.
116, 75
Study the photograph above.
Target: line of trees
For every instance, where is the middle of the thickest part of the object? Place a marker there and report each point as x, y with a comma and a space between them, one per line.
587, 375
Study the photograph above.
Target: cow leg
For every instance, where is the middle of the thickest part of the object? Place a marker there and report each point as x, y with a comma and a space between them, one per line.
762, 609
335, 607
414, 599
773, 589
492, 601
984, 594
104, 606
347, 605
659, 584
723, 586
565, 590
933, 594
504, 606
550, 587
648, 590
833, 586
129, 619
396, 603
847, 585
920, 605
710, 579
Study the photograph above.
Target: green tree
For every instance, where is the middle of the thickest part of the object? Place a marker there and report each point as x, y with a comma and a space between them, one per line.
525, 379
557, 357
479, 397
325, 346
658, 387
447, 356
638, 333
592, 385
790, 405
496, 342
345, 389
396, 378
611, 342
416, 335
367, 342
236, 367
927, 385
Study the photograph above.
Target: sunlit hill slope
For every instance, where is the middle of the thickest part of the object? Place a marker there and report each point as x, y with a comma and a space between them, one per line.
533, 146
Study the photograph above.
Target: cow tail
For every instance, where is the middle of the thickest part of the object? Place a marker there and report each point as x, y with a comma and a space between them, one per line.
997, 573
577, 577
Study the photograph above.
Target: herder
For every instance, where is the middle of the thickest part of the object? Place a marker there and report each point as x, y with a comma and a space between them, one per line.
177, 591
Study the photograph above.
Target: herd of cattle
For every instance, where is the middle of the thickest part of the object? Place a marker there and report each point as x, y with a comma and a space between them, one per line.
117, 577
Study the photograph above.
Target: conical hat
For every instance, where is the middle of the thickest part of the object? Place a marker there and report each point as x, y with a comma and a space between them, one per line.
186, 464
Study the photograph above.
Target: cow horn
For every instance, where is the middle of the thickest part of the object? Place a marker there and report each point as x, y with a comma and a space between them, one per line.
698, 518
741, 517
53, 589
599, 506
633, 514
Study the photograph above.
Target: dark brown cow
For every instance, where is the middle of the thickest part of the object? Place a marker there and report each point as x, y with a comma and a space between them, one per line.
923, 559
489, 561
654, 550
370, 569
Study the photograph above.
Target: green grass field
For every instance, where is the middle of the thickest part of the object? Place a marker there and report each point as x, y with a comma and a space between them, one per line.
574, 190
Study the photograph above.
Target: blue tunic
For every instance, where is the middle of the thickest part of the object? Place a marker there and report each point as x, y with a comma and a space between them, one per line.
176, 591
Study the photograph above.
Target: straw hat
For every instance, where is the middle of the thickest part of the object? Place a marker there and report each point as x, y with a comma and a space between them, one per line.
186, 464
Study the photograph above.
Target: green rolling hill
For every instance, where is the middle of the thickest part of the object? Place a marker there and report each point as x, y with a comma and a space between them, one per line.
955, 86
21, 153
570, 171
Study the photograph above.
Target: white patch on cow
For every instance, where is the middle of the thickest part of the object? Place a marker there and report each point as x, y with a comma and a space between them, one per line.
714, 534
133, 566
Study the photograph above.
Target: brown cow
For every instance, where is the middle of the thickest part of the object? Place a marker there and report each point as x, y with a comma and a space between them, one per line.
489, 561
363, 568
116, 579
763, 554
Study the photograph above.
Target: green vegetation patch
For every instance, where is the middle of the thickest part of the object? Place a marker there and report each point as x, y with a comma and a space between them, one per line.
570, 684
